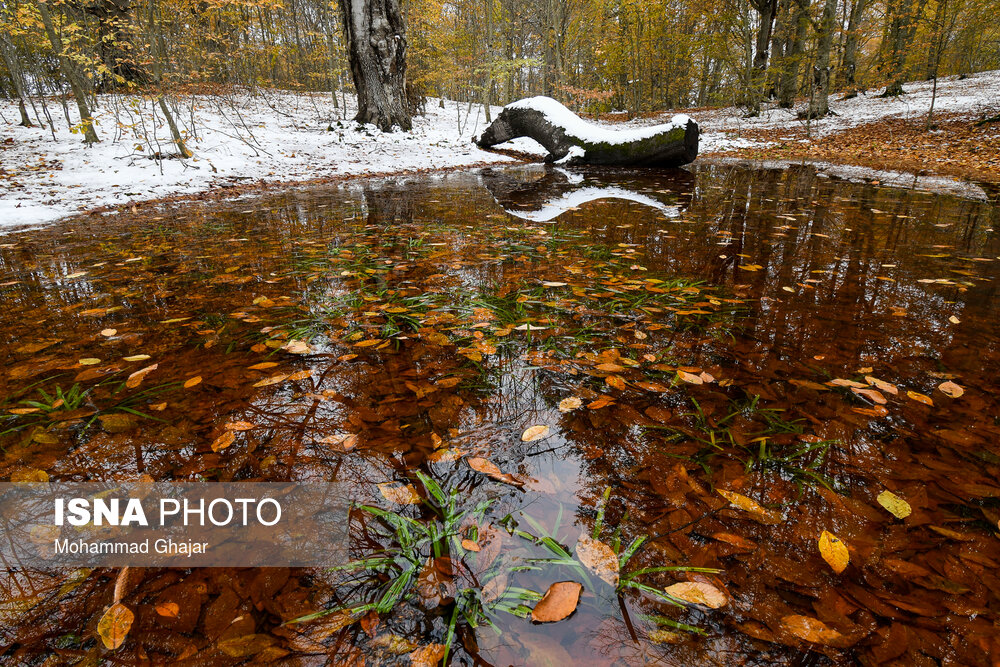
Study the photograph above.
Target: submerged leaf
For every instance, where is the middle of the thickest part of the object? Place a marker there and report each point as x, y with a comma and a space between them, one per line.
135, 379
761, 514
558, 602
810, 629
598, 557
114, 625
951, 389
569, 404
697, 592
399, 493
533, 433
834, 551
898, 507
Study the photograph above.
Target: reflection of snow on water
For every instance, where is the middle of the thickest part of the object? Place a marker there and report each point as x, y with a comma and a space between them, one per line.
559, 205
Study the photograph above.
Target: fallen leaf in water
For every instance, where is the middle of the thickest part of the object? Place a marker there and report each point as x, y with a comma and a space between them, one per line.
239, 426
295, 346
114, 625
870, 394
898, 507
690, 377
887, 387
598, 557
469, 545
168, 609
491, 469
558, 602
954, 320
89, 361
569, 404
29, 475
664, 636
137, 357
602, 402
950, 389
615, 382
697, 592
761, 514
108, 333
399, 493
191, 382
552, 283
223, 441
810, 629
834, 551
920, 398
274, 379
841, 382
135, 379
118, 422
428, 656
245, 645
345, 442
263, 366
367, 343
533, 433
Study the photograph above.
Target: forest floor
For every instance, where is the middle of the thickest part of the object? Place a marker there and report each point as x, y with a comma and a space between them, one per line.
246, 143
888, 135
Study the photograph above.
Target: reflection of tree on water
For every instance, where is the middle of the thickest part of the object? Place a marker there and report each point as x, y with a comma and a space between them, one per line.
543, 195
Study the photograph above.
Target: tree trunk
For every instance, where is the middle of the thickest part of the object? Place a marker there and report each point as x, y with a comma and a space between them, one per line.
901, 18
849, 63
766, 9
376, 52
572, 140
793, 54
819, 104
72, 74
10, 60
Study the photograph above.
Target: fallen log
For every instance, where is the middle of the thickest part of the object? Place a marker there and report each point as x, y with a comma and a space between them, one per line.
571, 140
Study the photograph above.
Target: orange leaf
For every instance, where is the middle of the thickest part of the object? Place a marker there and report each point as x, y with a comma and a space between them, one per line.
168, 609
135, 379
920, 398
115, 624
558, 602
834, 551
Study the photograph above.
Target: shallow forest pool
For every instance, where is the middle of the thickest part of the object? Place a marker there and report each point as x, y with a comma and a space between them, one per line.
697, 370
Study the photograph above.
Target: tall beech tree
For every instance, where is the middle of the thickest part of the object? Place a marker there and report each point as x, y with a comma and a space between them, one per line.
376, 52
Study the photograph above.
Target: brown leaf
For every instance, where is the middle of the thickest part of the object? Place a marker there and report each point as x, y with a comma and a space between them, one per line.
135, 379
558, 602
239, 426
951, 389
114, 625
598, 557
491, 469
810, 629
697, 592
690, 377
601, 402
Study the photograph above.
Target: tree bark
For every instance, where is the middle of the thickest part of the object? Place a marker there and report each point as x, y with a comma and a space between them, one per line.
793, 53
669, 145
819, 104
849, 62
758, 73
72, 74
376, 52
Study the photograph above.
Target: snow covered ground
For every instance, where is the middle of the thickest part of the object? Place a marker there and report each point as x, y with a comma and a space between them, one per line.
277, 137
973, 96
283, 137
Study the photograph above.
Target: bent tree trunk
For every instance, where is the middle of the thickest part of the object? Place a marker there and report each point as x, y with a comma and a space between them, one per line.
376, 52
571, 140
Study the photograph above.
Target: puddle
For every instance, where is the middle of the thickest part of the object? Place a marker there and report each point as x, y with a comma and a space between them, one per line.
676, 333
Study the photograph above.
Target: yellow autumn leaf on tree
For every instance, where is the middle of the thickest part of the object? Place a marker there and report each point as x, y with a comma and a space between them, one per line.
834, 551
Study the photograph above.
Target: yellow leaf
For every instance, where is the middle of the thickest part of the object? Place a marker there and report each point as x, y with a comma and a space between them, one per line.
89, 361
920, 398
296, 347
137, 357
263, 366
534, 433
114, 625
108, 333
399, 493
196, 380
697, 592
759, 513
690, 377
834, 551
898, 507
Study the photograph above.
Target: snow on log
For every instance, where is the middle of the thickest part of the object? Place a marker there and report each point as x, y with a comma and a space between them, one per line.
571, 140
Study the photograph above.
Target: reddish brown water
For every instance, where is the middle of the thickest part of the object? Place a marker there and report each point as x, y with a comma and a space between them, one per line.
410, 295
